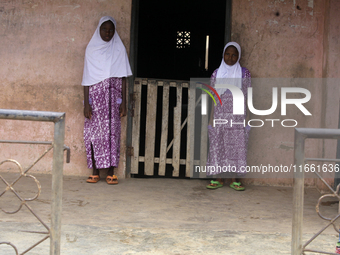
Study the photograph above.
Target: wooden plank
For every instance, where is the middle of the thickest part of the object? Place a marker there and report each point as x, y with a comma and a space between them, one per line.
150, 132
189, 168
164, 133
204, 143
167, 160
182, 126
177, 132
172, 83
136, 125
196, 162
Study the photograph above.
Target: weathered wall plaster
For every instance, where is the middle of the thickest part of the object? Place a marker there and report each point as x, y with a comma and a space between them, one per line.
331, 66
42, 51
42, 55
285, 39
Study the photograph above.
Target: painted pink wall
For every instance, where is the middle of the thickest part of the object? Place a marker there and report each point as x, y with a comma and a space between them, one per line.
42, 50
42, 54
289, 39
331, 65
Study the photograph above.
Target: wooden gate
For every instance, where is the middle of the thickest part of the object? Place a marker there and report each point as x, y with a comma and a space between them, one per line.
194, 122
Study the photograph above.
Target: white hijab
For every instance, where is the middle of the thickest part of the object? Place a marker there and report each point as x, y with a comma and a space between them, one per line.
229, 74
105, 59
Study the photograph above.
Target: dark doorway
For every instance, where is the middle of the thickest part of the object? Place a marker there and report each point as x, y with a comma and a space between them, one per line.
169, 41
172, 38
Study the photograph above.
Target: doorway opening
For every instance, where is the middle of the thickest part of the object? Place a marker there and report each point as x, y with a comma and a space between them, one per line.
172, 38
174, 41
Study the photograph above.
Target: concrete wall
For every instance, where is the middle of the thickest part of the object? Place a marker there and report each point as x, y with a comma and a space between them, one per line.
290, 39
332, 70
42, 50
331, 67
42, 55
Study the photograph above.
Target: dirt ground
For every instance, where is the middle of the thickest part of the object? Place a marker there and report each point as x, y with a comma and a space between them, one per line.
162, 216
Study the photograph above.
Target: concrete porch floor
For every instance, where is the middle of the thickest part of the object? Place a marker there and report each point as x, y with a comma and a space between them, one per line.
163, 216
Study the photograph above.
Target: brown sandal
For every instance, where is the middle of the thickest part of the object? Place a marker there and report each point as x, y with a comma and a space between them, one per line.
112, 179
93, 179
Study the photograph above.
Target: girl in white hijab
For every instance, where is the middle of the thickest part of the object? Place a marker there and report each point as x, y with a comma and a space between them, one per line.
106, 67
228, 143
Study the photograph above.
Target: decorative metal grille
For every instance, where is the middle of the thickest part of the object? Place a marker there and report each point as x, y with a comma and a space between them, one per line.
57, 176
183, 39
10, 187
301, 134
331, 221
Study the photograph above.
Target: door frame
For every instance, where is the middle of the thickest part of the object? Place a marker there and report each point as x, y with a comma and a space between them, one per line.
133, 53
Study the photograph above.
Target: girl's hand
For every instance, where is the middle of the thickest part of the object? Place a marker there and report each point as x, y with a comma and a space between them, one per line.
122, 109
88, 111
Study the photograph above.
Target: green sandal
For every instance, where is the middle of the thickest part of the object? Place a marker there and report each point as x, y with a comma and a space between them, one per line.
234, 186
214, 185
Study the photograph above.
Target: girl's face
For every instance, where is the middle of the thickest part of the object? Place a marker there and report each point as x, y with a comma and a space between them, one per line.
230, 56
107, 30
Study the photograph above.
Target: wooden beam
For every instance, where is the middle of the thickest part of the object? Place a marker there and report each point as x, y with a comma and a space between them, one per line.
150, 132
164, 134
136, 125
191, 130
177, 131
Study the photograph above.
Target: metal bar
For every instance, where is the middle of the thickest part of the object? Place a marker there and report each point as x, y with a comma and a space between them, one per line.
36, 244
323, 133
25, 142
329, 187
298, 194
35, 232
57, 168
322, 159
31, 115
206, 64
337, 174
38, 159
318, 233
37, 217
12, 245
322, 252
66, 148
68, 153
24, 172
24, 203
57, 185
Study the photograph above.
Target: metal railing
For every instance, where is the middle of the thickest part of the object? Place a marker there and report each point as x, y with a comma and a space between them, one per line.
58, 147
301, 134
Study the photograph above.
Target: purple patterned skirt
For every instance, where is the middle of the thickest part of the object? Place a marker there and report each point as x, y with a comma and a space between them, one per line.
103, 130
227, 145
